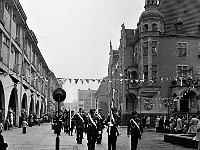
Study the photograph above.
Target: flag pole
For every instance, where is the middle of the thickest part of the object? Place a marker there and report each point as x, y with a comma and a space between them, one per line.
70, 116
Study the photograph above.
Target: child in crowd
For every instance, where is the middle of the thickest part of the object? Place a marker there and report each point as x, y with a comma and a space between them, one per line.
24, 125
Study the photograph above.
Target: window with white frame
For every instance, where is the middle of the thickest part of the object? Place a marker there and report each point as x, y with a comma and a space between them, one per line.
6, 40
154, 48
145, 72
154, 72
182, 49
145, 48
182, 70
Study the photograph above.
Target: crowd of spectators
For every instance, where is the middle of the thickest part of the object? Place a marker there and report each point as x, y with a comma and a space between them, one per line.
177, 124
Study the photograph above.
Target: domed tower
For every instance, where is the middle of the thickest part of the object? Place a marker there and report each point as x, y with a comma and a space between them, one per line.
151, 21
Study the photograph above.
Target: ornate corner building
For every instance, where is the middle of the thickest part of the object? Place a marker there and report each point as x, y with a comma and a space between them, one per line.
25, 79
156, 68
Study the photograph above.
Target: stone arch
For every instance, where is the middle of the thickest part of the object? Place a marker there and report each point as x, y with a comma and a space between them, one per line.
13, 108
187, 97
131, 102
24, 102
2, 103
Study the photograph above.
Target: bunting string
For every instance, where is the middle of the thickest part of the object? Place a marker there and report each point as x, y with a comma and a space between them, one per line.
178, 80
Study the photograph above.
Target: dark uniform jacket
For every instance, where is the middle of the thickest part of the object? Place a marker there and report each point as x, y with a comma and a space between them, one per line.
101, 120
133, 129
79, 120
92, 125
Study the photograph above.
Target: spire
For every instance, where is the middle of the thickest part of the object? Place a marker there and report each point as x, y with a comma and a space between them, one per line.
111, 46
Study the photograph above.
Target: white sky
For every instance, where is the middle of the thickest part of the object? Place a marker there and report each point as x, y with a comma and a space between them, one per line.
74, 35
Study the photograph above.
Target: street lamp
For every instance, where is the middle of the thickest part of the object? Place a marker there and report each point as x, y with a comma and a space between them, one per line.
59, 95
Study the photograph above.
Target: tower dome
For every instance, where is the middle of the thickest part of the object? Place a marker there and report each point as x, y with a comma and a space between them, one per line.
151, 10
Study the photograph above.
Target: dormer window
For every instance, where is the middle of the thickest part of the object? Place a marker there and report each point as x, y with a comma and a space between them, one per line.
179, 24
179, 27
145, 27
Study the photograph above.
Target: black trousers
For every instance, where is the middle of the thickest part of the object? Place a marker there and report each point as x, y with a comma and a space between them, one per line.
112, 140
134, 142
24, 130
79, 135
91, 141
99, 138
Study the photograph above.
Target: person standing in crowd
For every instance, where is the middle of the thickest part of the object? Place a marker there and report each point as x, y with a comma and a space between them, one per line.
30, 119
80, 125
57, 123
24, 125
193, 125
135, 130
92, 125
198, 133
71, 126
102, 123
157, 123
3, 145
161, 124
179, 125
113, 121
144, 121
167, 125
66, 122
148, 121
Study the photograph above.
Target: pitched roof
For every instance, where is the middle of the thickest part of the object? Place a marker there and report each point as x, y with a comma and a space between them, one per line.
187, 10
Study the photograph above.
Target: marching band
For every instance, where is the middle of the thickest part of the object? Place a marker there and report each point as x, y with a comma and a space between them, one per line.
93, 124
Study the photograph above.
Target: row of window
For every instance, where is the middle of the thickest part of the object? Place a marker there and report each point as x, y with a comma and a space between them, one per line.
182, 70
153, 48
145, 27
182, 48
23, 43
15, 56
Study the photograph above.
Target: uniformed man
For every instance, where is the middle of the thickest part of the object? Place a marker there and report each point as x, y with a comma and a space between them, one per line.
56, 120
113, 121
102, 123
79, 119
92, 128
135, 130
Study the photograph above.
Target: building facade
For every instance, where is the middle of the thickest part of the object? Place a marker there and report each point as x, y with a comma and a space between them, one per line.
102, 97
156, 70
25, 79
86, 99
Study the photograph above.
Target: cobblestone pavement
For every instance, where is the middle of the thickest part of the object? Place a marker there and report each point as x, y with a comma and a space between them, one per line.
37, 138
151, 140
43, 138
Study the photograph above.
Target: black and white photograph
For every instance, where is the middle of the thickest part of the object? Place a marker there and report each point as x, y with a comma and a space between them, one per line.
99, 74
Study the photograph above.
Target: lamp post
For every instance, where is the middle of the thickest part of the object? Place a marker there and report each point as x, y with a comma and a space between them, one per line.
59, 95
